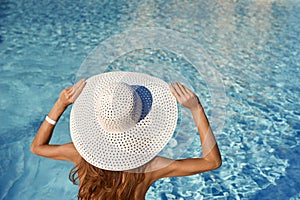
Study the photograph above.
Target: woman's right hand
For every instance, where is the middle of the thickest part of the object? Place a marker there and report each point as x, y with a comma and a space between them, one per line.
211, 157
184, 96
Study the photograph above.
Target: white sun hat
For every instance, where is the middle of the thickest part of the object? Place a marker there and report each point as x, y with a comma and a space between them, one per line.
122, 120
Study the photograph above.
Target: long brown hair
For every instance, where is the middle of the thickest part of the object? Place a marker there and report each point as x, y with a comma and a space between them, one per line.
95, 183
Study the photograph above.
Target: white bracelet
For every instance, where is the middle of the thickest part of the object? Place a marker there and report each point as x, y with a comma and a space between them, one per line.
50, 121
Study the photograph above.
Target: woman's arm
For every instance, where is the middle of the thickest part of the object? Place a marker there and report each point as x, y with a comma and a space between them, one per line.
211, 155
40, 144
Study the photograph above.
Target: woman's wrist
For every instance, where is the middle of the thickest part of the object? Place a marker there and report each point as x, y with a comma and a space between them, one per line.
49, 120
197, 108
57, 110
61, 104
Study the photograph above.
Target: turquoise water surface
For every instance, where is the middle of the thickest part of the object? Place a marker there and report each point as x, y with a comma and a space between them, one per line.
241, 57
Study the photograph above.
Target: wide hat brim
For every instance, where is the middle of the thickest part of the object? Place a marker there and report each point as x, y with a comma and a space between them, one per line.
119, 151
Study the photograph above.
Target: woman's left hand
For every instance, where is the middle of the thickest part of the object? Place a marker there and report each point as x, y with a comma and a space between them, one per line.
70, 94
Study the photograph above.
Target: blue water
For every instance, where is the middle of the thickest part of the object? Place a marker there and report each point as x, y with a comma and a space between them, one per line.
241, 57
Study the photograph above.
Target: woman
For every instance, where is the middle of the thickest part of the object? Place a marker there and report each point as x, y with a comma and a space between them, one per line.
97, 182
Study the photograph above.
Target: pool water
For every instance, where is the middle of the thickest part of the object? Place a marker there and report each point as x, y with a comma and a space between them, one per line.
241, 57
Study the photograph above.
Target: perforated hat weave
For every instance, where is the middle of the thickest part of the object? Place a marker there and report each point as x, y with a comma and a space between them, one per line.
122, 120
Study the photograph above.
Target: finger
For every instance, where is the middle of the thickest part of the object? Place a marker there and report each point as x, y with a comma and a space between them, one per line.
188, 91
68, 89
76, 86
173, 91
71, 93
79, 90
178, 89
81, 86
182, 88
